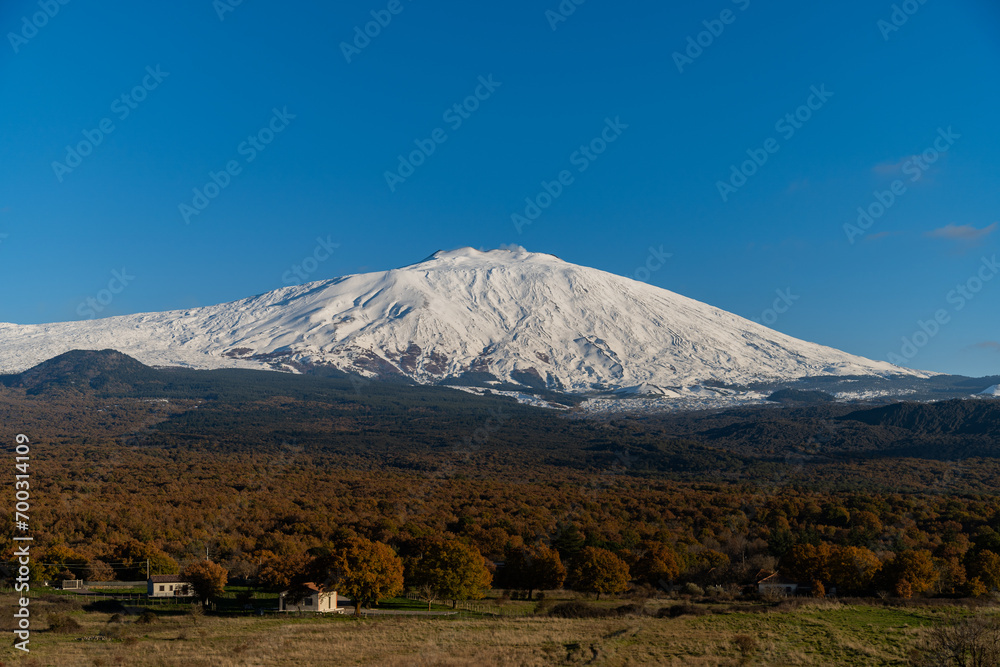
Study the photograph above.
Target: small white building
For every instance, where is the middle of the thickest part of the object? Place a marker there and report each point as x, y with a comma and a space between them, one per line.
309, 597
168, 586
775, 583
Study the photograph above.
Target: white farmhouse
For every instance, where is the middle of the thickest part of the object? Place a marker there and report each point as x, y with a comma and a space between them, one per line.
168, 586
309, 597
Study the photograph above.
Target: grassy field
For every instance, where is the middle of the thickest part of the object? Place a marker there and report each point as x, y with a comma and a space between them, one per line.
820, 633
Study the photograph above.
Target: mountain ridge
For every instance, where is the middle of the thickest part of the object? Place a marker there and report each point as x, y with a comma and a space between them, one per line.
518, 317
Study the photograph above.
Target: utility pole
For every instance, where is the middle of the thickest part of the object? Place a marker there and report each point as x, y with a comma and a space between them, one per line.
147, 568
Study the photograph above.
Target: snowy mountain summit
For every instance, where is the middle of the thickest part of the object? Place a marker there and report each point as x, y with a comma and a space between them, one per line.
465, 316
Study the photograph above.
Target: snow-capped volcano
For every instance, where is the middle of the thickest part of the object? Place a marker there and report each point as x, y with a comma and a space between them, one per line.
517, 316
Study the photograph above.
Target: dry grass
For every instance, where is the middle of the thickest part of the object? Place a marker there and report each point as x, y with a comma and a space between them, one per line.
815, 634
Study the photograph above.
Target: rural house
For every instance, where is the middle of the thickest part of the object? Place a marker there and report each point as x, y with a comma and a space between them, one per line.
309, 597
168, 586
776, 583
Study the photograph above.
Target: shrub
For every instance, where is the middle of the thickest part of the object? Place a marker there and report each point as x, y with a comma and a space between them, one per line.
693, 589
116, 618
105, 607
677, 610
147, 617
195, 612
746, 645
543, 607
577, 609
63, 624
630, 610
972, 641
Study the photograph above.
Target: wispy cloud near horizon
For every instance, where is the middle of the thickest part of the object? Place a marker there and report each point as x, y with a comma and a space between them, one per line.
962, 233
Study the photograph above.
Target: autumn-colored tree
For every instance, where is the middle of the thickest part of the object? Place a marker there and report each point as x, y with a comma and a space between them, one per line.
134, 556
852, 569
207, 578
807, 562
62, 554
985, 566
241, 568
98, 570
952, 577
909, 573
448, 569
363, 570
975, 588
656, 564
835, 515
533, 568
599, 571
56, 559
277, 572
706, 566
867, 522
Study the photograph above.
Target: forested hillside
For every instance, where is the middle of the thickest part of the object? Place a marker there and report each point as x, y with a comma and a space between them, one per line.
265, 470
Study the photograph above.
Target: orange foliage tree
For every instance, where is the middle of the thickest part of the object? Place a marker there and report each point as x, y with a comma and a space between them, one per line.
363, 570
207, 578
910, 573
450, 570
599, 571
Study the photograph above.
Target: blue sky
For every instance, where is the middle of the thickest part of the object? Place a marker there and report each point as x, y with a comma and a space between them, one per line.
907, 105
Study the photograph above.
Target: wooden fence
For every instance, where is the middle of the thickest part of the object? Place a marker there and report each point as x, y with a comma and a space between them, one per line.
137, 598
476, 606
